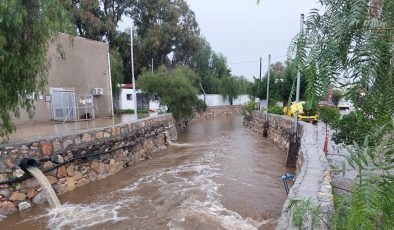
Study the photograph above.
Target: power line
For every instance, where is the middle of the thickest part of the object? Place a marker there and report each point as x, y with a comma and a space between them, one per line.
256, 61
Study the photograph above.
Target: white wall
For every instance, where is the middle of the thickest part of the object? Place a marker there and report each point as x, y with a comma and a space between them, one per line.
217, 99
211, 100
123, 102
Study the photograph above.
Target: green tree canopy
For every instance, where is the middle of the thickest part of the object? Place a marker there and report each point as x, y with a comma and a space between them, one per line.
166, 27
117, 75
175, 88
26, 29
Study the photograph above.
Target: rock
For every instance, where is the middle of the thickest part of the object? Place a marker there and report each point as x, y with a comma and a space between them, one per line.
82, 182
115, 167
101, 176
56, 146
106, 135
99, 135
5, 193
30, 183
60, 158
70, 170
77, 140
46, 148
17, 196
18, 173
8, 163
113, 131
77, 175
86, 137
7, 207
52, 179
68, 186
98, 167
23, 205
67, 143
92, 176
94, 166
4, 169
70, 155
61, 171
31, 193
40, 198
47, 165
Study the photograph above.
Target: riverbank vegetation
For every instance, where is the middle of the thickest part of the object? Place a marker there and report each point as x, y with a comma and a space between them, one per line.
351, 44
176, 88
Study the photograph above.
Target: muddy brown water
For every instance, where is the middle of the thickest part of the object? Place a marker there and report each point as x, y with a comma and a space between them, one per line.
227, 177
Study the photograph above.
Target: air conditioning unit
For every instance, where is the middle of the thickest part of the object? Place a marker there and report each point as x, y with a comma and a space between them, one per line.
97, 91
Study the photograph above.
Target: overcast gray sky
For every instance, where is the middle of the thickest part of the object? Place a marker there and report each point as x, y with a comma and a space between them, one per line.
243, 31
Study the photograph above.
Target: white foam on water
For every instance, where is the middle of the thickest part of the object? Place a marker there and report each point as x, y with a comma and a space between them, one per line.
78, 216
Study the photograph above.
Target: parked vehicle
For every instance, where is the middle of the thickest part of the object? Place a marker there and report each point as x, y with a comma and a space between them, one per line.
301, 115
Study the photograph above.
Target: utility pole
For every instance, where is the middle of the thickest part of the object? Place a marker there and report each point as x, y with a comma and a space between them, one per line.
298, 79
266, 123
258, 88
132, 72
110, 83
268, 84
152, 65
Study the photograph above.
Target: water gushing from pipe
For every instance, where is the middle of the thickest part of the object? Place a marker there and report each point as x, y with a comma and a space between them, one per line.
42, 179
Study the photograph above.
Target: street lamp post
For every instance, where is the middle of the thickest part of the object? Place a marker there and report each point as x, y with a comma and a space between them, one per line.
132, 72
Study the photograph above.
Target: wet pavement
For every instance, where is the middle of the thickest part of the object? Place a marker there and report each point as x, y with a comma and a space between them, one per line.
37, 131
227, 177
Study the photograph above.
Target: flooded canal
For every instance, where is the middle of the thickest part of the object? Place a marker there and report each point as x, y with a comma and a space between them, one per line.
228, 177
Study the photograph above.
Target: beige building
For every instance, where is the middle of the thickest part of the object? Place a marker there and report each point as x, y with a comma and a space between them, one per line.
79, 85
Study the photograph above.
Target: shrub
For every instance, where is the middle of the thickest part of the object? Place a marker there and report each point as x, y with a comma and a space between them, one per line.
275, 110
329, 115
248, 107
127, 111
200, 106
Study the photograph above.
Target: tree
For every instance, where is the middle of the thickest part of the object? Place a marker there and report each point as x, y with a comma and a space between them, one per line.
98, 19
211, 68
349, 41
117, 74
174, 88
166, 27
26, 28
232, 86
88, 18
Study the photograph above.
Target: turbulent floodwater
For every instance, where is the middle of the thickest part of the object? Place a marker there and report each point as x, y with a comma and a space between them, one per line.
227, 177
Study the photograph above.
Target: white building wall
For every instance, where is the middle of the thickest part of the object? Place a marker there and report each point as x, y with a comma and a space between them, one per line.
217, 99
123, 102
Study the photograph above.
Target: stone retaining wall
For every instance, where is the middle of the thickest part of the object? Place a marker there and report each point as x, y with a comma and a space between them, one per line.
210, 113
313, 173
218, 111
122, 145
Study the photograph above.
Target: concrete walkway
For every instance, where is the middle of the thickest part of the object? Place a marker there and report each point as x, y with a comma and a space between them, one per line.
52, 129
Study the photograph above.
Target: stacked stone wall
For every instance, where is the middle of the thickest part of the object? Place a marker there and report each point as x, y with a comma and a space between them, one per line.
83, 158
218, 111
313, 173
